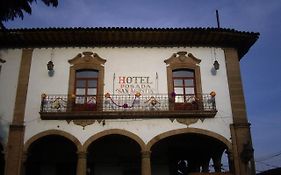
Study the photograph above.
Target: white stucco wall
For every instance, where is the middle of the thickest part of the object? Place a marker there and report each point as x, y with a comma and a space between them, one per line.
135, 61
8, 88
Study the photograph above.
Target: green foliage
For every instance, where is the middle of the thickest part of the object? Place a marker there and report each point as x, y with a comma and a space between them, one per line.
11, 9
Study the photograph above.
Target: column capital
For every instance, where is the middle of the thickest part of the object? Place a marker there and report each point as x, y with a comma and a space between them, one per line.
145, 154
82, 154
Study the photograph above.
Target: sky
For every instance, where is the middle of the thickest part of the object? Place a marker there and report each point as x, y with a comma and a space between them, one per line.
260, 67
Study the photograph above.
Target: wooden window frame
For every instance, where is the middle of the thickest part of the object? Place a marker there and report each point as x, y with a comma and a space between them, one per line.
86, 105
184, 86
182, 60
86, 61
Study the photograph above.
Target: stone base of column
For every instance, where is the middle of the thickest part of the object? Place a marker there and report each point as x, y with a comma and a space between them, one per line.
14, 150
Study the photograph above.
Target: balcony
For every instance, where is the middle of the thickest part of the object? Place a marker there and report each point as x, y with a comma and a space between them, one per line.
60, 107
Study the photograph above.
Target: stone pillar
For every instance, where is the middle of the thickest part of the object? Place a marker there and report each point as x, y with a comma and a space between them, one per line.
240, 129
14, 147
81, 163
217, 164
24, 159
145, 163
230, 161
14, 150
205, 164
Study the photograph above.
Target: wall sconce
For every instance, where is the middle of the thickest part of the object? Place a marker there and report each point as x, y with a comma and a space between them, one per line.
50, 65
2, 61
216, 65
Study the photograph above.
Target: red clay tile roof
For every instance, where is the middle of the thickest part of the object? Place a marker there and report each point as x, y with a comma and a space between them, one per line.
128, 37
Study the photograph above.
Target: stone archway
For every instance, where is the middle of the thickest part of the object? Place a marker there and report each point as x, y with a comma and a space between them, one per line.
51, 152
187, 150
118, 132
114, 151
53, 132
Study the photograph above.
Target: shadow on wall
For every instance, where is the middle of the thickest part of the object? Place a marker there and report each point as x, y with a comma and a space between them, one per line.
213, 71
3, 132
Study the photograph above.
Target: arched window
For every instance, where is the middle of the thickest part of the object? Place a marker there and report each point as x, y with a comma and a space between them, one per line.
86, 82
184, 81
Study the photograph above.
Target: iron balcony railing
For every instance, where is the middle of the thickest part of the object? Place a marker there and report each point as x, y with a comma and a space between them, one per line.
115, 103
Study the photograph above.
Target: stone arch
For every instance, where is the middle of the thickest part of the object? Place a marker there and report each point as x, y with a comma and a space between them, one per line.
128, 134
188, 131
53, 132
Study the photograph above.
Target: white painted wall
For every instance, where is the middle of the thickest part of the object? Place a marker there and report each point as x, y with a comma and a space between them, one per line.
135, 61
8, 88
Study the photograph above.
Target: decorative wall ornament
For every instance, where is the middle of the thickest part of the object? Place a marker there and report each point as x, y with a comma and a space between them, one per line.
187, 122
125, 105
87, 58
182, 58
86, 122
53, 103
83, 123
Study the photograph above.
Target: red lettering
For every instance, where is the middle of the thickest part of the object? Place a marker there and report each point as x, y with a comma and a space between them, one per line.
122, 80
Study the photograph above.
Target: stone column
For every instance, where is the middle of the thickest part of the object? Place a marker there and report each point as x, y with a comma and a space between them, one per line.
240, 129
14, 148
205, 164
230, 161
24, 159
81, 163
217, 164
145, 163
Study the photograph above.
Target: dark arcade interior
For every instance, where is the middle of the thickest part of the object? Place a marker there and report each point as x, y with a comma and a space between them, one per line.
114, 154
2, 160
51, 155
186, 153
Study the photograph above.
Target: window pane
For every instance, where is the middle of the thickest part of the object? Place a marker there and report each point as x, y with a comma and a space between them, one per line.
80, 91
87, 74
183, 73
190, 98
92, 83
178, 91
179, 99
178, 83
92, 91
188, 82
189, 91
91, 100
80, 100
80, 83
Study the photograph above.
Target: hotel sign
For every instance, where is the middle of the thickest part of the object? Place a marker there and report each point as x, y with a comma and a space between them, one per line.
134, 84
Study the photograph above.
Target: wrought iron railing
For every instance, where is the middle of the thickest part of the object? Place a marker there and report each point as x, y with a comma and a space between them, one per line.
137, 102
